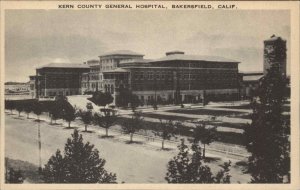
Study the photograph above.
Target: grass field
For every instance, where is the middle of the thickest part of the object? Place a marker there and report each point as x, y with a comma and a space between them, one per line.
207, 112
227, 124
166, 117
248, 107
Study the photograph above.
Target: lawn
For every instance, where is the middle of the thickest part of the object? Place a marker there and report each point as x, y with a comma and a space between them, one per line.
207, 112
248, 107
166, 117
245, 106
227, 124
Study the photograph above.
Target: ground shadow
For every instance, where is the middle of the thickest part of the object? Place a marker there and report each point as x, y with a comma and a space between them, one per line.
211, 159
70, 127
106, 137
165, 149
8, 113
39, 120
133, 142
87, 131
55, 124
20, 118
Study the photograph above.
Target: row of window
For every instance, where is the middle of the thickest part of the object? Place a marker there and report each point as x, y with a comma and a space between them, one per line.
95, 85
199, 65
183, 77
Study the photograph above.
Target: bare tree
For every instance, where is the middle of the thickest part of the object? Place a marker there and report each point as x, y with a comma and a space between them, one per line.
105, 119
133, 125
165, 130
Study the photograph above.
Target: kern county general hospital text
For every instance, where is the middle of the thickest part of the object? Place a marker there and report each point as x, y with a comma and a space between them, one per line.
146, 6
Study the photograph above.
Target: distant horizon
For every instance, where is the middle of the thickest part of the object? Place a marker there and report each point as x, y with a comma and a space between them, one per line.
37, 37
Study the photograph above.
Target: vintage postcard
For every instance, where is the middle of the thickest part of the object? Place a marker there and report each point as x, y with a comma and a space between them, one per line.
149, 95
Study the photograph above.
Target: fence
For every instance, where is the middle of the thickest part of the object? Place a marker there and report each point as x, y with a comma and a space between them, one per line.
224, 148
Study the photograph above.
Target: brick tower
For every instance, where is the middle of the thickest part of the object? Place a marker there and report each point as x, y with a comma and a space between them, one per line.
275, 54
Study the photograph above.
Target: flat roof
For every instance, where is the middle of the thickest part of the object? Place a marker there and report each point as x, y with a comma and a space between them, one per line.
121, 52
174, 57
65, 65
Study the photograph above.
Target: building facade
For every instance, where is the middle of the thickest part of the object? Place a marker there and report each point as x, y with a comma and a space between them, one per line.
180, 78
16, 87
249, 82
58, 79
109, 62
175, 78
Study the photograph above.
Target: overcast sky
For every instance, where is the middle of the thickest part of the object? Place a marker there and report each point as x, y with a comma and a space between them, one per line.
38, 37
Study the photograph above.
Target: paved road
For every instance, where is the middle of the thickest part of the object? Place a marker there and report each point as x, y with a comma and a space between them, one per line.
133, 163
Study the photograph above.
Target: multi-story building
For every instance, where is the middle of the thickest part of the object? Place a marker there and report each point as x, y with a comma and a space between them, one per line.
249, 82
16, 87
90, 80
32, 83
172, 79
107, 62
58, 79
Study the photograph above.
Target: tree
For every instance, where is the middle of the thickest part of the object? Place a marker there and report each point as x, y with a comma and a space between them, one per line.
102, 99
267, 137
204, 135
55, 112
127, 97
13, 176
184, 168
86, 117
19, 107
37, 109
56, 108
80, 163
68, 113
28, 108
54, 171
132, 125
134, 101
106, 119
166, 130
10, 105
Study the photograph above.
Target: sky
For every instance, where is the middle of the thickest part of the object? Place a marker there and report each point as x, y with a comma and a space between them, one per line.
37, 37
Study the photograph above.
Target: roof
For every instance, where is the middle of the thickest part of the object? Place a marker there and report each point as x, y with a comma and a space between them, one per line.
121, 52
274, 38
252, 77
117, 70
136, 61
15, 83
195, 58
65, 65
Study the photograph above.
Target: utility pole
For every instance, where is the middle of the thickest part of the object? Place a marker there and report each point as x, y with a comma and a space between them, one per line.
40, 147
